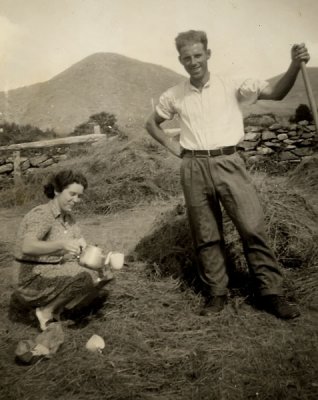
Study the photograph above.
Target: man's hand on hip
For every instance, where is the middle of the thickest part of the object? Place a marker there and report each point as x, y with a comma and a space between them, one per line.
173, 145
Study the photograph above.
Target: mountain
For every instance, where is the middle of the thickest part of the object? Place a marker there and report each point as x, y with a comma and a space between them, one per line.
295, 97
116, 84
101, 82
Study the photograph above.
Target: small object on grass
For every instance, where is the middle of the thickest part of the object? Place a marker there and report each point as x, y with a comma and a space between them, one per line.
95, 344
23, 351
115, 260
51, 338
43, 346
40, 350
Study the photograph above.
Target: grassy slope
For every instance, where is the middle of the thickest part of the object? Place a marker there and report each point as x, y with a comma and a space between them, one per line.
157, 346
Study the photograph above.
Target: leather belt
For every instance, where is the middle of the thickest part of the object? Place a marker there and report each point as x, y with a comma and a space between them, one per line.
227, 150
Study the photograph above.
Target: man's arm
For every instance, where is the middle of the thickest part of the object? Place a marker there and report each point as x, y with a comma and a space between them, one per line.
154, 129
281, 88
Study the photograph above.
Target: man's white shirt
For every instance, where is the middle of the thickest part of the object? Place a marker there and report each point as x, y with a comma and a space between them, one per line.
212, 117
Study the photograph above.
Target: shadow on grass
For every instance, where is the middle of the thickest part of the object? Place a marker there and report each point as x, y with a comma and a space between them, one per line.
168, 251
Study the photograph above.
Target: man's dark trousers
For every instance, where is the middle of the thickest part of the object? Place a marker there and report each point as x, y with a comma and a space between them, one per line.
206, 182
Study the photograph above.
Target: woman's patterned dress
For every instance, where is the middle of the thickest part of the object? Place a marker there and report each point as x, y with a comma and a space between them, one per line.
40, 279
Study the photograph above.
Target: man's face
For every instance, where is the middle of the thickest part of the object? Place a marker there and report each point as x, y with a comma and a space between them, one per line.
195, 58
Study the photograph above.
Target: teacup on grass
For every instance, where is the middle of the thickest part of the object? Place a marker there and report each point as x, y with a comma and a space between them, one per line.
115, 260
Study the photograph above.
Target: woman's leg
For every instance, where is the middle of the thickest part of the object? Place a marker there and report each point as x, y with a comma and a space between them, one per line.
84, 299
80, 285
46, 313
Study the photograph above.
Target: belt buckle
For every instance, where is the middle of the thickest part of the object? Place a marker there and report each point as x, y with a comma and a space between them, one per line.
209, 153
221, 151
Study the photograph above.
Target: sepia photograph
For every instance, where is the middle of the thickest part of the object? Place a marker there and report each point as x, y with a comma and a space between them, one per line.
158, 200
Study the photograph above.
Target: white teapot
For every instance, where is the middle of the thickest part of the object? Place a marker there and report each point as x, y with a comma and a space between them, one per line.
92, 257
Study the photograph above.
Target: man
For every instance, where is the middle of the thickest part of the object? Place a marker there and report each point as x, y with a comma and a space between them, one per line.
212, 172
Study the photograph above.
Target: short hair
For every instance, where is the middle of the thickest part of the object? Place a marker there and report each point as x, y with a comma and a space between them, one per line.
191, 36
61, 180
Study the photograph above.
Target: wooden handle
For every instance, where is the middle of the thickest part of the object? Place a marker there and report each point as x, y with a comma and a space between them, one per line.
310, 95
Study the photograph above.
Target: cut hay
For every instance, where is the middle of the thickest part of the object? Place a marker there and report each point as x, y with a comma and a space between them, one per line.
292, 226
306, 287
158, 347
129, 173
305, 176
5, 254
292, 222
120, 174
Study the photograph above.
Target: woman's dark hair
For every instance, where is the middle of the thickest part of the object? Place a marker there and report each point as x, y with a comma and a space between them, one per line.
60, 181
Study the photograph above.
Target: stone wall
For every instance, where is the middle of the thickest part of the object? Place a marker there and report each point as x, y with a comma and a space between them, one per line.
34, 159
30, 162
279, 141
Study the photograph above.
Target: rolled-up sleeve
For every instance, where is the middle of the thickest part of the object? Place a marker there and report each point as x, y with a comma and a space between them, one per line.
250, 89
165, 107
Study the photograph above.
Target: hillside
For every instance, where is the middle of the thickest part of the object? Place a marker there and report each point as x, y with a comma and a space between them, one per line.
101, 82
295, 97
117, 84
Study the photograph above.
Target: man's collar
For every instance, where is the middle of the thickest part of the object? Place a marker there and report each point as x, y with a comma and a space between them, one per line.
195, 89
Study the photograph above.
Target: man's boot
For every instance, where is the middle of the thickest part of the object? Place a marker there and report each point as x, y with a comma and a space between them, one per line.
214, 305
278, 306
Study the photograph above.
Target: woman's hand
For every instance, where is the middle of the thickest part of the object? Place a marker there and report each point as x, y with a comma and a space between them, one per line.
73, 246
83, 243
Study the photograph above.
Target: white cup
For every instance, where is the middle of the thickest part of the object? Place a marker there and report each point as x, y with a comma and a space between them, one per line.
116, 260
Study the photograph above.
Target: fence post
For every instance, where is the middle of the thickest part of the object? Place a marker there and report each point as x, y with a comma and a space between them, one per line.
97, 129
17, 167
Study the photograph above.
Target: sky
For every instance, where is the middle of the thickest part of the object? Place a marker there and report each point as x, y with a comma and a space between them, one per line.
251, 38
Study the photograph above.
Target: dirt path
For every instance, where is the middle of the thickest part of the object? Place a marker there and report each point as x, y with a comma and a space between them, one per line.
116, 232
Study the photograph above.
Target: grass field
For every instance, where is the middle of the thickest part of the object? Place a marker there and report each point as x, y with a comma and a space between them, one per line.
157, 344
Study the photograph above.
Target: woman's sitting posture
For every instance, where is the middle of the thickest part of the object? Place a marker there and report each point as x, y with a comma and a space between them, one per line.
47, 247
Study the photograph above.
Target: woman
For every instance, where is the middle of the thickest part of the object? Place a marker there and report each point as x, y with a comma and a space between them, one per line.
48, 243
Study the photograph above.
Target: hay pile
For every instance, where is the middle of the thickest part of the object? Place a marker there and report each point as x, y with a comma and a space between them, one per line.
292, 226
121, 175
5, 254
305, 176
157, 344
159, 347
